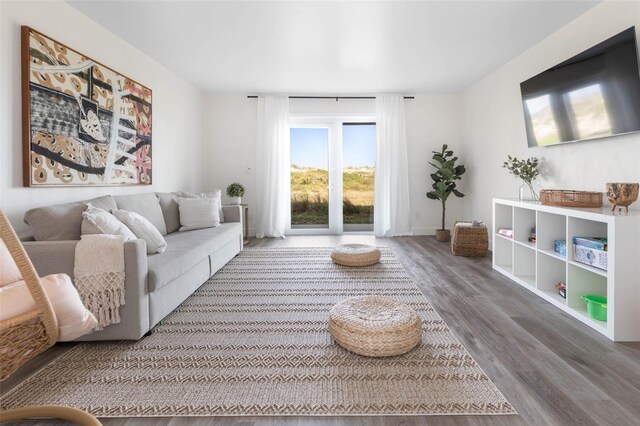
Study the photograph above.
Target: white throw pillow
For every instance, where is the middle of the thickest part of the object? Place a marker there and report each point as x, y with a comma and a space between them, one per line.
216, 194
74, 320
198, 213
142, 229
105, 222
9, 272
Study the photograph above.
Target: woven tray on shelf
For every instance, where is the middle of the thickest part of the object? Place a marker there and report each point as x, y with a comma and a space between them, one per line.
469, 241
569, 198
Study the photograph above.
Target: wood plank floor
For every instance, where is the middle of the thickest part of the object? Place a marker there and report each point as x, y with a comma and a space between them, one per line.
553, 369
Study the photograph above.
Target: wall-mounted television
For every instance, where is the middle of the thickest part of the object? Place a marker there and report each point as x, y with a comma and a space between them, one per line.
595, 94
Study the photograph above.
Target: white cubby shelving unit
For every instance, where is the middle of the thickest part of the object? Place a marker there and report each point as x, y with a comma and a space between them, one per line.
537, 267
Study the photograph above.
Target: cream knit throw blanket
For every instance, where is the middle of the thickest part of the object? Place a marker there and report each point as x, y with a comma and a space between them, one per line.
99, 276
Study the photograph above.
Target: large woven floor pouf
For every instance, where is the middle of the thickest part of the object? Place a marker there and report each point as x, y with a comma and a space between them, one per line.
355, 255
375, 326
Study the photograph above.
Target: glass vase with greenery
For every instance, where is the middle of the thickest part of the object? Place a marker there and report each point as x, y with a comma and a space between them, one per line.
527, 171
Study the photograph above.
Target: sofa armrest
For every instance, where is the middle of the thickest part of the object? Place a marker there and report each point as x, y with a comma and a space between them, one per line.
232, 213
58, 257
52, 257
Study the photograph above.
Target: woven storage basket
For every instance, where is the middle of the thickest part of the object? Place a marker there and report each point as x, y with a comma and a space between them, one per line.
375, 326
569, 198
355, 255
469, 241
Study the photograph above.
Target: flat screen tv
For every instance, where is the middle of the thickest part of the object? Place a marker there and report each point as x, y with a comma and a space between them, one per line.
593, 95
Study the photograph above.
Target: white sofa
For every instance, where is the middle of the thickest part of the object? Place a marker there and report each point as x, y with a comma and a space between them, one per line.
154, 284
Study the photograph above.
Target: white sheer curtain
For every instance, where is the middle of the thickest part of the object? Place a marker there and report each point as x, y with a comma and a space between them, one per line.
392, 210
272, 166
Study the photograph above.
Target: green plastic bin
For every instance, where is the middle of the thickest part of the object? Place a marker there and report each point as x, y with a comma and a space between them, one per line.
596, 306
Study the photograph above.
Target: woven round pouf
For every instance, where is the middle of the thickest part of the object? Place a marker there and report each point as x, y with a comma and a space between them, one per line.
355, 255
375, 326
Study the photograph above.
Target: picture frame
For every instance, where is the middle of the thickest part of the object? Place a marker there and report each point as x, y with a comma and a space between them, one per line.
83, 123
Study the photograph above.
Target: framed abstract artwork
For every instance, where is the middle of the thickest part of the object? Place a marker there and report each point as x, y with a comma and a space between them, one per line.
82, 122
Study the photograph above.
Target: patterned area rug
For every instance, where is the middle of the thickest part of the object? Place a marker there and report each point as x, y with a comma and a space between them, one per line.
253, 340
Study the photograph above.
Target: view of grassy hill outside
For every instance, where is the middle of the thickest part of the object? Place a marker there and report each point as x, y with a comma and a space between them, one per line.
310, 176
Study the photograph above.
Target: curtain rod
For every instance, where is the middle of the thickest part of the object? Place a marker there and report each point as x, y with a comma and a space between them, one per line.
329, 97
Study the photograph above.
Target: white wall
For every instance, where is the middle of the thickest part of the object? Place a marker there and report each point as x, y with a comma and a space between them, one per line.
230, 138
493, 120
177, 106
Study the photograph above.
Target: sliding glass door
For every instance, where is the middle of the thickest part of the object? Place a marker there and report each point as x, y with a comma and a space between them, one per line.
310, 178
332, 176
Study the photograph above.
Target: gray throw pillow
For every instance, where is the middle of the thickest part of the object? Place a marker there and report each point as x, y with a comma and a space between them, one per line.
169, 205
146, 205
62, 221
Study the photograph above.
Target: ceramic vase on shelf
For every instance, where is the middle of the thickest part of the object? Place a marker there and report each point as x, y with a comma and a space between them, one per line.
528, 192
622, 195
235, 200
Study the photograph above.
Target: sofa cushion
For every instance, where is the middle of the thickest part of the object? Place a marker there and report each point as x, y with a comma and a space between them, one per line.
169, 205
146, 205
216, 194
105, 223
62, 221
186, 249
142, 229
198, 213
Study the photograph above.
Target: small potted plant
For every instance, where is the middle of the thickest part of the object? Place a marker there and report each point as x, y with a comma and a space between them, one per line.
527, 171
235, 192
444, 184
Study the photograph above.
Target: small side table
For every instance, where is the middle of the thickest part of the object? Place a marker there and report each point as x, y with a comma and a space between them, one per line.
245, 221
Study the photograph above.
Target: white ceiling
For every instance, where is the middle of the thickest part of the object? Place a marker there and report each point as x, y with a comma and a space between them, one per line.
333, 47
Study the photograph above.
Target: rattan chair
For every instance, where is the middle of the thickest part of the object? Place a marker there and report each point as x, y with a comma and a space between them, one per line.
27, 335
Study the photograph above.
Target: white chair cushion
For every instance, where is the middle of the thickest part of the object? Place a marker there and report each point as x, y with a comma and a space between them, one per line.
74, 320
9, 272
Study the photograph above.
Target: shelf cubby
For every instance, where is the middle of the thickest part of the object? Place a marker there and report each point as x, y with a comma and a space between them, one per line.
523, 221
551, 271
524, 264
538, 268
583, 282
578, 227
504, 255
503, 217
551, 227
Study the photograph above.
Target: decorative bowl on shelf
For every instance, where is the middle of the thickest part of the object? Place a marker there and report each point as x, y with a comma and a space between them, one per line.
622, 194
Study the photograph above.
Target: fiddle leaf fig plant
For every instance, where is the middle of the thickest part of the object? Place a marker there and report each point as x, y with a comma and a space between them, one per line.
447, 172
